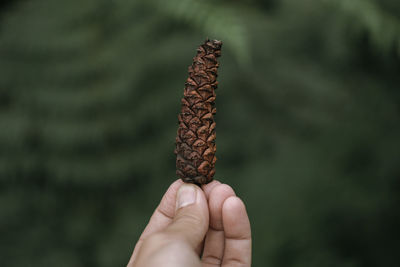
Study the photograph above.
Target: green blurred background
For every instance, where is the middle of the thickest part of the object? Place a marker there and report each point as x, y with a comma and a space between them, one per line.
308, 125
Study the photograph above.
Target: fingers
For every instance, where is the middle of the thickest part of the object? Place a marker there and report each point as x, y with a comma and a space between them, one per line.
237, 234
215, 238
191, 219
162, 216
184, 216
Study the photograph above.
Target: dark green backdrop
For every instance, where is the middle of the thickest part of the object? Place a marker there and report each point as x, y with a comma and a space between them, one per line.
308, 125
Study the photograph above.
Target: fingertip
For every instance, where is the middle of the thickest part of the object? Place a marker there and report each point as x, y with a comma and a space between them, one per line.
173, 188
233, 204
177, 182
235, 219
207, 188
167, 203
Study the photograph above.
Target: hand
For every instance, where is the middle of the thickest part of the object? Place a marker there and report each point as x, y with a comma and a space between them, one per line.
193, 228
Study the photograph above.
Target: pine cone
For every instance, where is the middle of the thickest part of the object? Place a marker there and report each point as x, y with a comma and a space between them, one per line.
195, 140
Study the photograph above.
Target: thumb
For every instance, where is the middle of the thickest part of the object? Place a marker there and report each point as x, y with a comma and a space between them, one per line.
191, 217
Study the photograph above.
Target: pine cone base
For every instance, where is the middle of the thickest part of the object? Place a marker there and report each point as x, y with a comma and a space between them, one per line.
195, 141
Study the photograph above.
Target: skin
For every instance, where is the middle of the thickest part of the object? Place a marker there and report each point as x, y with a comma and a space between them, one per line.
196, 228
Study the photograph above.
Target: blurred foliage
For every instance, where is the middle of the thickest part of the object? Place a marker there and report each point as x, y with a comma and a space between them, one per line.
382, 26
308, 125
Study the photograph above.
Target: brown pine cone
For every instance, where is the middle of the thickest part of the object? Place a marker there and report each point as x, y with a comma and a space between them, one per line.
195, 140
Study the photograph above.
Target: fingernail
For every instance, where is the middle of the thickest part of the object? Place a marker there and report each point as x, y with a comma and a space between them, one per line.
186, 196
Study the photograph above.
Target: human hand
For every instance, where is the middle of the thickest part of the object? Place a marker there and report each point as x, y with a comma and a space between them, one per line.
194, 227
